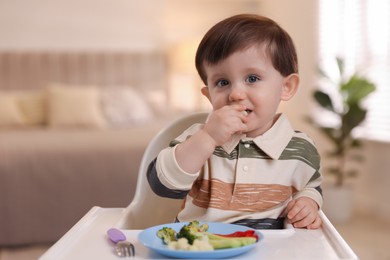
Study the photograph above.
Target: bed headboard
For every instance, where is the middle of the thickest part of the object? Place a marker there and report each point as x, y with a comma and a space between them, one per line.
33, 70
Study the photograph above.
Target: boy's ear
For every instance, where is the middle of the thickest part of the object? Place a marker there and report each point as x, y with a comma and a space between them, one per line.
290, 86
206, 93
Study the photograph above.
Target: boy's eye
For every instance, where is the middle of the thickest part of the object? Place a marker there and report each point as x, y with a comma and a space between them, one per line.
252, 79
222, 83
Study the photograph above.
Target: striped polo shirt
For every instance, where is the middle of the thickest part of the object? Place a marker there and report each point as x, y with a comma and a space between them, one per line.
247, 181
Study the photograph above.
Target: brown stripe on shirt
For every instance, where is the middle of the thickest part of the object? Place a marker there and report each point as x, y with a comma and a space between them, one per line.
241, 197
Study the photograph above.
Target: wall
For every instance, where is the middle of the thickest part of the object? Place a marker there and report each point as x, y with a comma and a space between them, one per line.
105, 24
73, 24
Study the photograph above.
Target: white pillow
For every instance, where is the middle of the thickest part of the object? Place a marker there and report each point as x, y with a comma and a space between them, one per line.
74, 106
125, 106
10, 113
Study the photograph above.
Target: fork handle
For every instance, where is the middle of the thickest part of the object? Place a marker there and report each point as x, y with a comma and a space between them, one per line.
115, 235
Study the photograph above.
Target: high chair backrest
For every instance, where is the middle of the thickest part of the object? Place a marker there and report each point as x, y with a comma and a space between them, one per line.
147, 209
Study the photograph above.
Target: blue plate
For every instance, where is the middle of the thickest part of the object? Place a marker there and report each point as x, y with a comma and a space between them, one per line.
149, 239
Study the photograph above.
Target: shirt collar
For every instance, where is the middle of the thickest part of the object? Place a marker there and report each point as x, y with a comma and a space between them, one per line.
273, 142
232, 143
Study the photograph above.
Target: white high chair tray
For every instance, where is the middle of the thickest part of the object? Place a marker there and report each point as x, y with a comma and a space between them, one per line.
88, 240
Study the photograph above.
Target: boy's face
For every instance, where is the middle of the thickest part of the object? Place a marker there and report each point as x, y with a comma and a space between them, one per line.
248, 78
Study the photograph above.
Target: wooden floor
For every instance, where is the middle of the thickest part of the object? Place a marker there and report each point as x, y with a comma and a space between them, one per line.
368, 236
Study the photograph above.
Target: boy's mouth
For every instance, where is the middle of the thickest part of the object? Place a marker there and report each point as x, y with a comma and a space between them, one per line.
247, 112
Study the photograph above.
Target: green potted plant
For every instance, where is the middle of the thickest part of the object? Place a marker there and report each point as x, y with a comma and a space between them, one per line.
345, 106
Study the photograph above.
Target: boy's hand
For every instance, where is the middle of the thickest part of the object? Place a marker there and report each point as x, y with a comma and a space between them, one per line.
221, 125
225, 122
303, 212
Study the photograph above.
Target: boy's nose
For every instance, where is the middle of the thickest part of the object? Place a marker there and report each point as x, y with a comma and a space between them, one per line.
236, 94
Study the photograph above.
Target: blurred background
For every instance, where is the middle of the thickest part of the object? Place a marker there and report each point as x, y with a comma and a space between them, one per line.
358, 31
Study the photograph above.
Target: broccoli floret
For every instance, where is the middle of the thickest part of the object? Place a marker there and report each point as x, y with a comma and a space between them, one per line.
195, 225
190, 234
167, 234
193, 231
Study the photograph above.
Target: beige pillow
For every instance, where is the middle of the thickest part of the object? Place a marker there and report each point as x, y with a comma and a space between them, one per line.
33, 106
74, 106
10, 113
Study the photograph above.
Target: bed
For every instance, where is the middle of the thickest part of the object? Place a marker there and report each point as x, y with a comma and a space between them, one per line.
73, 128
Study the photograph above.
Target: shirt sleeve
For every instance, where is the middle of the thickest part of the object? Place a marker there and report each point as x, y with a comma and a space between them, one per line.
312, 193
169, 172
312, 188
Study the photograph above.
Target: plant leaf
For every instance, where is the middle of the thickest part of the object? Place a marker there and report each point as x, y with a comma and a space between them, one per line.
340, 65
354, 116
356, 89
322, 73
324, 100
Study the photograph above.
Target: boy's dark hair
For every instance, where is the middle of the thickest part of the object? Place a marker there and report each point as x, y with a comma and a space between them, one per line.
243, 31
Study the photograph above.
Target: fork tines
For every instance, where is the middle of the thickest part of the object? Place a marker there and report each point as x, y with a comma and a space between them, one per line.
125, 248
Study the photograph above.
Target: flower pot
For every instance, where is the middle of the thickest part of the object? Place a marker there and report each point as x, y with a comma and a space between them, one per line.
338, 203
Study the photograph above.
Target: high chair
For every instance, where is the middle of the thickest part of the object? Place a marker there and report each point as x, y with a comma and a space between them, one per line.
147, 209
